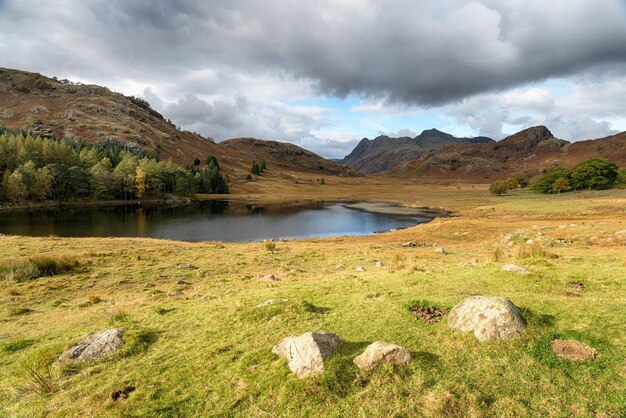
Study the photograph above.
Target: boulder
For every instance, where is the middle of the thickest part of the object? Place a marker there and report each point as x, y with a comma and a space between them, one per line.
305, 353
515, 269
489, 318
360, 268
440, 250
379, 264
95, 346
379, 353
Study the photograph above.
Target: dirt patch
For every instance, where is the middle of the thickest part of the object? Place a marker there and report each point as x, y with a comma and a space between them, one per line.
118, 395
577, 285
427, 314
572, 294
573, 350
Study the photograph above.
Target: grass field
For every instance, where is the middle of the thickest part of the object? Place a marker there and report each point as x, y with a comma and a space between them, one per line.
204, 348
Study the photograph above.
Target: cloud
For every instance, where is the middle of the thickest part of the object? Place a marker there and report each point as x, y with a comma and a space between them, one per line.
236, 68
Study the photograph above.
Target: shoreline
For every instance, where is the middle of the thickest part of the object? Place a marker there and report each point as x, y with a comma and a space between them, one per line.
170, 202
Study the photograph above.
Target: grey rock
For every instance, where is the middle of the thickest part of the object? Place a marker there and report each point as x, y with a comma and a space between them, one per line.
489, 318
305, 353
379, 353
379, 264
473, 261
270, 302
95, 346
360, 268
440, 250
515, 269
187, 266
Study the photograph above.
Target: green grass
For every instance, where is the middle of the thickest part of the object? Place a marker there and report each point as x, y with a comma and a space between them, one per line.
208, 352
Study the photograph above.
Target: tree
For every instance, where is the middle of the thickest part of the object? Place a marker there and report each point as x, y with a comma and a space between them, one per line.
499, 188
512, 183
597, 173
42, 185
262, 166
140, 183
523, 183
15, 188
544, 183
256, 170
561, 185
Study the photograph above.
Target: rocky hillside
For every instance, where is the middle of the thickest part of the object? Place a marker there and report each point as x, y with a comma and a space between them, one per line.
62, 109
384, 153
528, 153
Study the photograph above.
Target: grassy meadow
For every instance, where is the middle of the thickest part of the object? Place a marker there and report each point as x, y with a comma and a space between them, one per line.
198, 345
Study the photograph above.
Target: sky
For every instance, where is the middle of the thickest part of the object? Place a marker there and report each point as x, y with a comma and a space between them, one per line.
325, 73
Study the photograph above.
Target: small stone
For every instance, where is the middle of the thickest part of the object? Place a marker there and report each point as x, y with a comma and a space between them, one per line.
489, 318
515, 269
360, 268
270, 302
95, 346
379, 264
175, 293
186, 266
305, 353
573, 350
379, 353
440, 250
148, 285
473, 261
269, 278
409, 244
339, 266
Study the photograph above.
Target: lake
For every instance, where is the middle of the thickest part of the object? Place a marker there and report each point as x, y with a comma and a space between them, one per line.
205, 221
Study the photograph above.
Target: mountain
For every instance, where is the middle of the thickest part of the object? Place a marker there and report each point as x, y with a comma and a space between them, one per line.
59, 108
527, 153
384, 153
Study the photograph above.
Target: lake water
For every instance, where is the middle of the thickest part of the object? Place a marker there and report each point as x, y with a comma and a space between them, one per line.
205, 221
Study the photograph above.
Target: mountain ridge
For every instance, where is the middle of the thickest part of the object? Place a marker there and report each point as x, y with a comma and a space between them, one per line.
383, 153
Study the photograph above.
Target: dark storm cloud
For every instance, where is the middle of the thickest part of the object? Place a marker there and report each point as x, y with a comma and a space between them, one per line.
426, 52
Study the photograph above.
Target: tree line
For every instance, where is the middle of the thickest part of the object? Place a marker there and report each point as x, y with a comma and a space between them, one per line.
593, 174
42, 169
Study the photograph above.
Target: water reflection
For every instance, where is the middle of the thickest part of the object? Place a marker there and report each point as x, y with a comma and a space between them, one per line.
204, 221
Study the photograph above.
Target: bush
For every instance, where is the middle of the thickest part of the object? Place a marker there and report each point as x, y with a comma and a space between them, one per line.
499, 188
597, 173
512, 183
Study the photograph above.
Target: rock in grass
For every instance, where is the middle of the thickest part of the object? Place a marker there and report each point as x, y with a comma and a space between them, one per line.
380, 353
515, 269
305, 354
573, 350
440, 250
360, 268
489, 318
186, 266
379, 264
270, 302
473, 261
95, 346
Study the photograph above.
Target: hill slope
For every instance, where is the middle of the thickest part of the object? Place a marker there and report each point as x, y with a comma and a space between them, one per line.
527, 153
62, 109
384, 153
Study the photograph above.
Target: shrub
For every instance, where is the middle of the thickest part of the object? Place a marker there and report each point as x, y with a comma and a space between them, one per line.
597, 173
270, 246
499, 188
